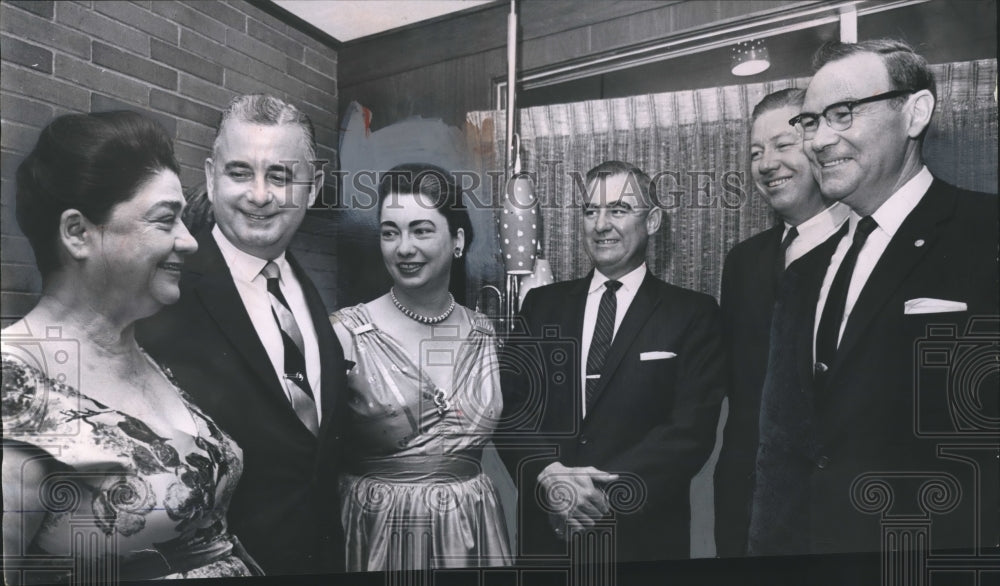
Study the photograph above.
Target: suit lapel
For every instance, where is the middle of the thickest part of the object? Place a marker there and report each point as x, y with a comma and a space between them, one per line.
217, 292
637, 316
571, 328
766, 262
898, 260
806, 313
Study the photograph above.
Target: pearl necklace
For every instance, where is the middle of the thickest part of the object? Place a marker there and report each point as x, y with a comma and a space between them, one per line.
421, 318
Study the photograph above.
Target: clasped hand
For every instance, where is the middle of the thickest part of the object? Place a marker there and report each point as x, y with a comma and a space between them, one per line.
575, 496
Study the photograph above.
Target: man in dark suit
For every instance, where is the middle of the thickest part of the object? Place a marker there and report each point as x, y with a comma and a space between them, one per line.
250, 340
620, 417
879, 412
750, 277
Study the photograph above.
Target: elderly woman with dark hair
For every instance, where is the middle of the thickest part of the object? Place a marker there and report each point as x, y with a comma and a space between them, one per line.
424, 394
106, 462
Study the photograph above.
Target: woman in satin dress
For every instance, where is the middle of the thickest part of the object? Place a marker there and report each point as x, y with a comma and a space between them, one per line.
424, 394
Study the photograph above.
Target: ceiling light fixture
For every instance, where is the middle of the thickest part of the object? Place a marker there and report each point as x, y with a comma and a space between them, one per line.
750, 58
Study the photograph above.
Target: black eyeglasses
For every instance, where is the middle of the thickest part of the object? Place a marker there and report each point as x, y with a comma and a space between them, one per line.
839, 116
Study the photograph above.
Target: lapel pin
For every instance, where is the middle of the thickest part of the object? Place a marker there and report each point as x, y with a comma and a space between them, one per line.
918, 242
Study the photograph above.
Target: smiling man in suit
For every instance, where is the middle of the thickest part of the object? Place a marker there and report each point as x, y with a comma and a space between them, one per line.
250, 340
857, 423
631, 414
750, 277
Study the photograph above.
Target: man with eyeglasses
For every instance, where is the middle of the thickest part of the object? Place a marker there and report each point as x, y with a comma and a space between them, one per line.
622, 426
861, 426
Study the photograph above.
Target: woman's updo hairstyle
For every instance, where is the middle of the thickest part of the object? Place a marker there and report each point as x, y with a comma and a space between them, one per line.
90, 163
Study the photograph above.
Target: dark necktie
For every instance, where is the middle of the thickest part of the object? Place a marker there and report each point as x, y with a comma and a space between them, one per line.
833, 312
295, 379
604, 331
779, 260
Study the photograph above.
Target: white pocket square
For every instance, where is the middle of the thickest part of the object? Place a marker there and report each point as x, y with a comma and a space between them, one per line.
929, 305
659, 355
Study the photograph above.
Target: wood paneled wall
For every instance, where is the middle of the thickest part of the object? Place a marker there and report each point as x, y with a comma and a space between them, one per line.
446, 68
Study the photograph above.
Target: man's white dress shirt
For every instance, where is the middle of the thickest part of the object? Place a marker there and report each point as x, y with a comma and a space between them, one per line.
889, 217
252, 287
815, 231
624, 296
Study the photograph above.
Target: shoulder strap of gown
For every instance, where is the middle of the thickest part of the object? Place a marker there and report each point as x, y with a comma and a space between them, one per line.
355, 319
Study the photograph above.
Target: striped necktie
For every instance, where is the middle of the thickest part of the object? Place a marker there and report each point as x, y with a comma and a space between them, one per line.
295, 379
604, 331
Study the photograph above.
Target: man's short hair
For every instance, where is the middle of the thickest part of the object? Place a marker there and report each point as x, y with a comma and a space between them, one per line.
647, 189
907, 70
776, 100
268, 110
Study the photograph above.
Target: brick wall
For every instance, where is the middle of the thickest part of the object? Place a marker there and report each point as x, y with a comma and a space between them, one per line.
178, 62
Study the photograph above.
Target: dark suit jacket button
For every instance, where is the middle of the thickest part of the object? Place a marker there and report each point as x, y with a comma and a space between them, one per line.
583, 440
820, 368
822, 462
